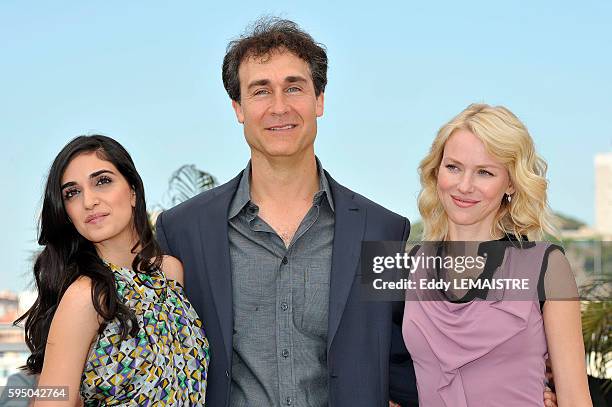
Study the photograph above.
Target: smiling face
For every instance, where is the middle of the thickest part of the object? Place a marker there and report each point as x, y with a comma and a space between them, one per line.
98, 199
278, 105
471, 185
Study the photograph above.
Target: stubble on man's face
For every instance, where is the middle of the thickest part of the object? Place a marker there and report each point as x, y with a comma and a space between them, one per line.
278, 106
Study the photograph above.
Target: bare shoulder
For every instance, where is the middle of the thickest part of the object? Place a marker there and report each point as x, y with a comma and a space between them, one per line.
76, 309
559, 280
172, 268
557, 257
78, 294
73, 328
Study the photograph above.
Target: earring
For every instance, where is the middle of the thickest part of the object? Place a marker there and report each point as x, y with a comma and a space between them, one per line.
509, 198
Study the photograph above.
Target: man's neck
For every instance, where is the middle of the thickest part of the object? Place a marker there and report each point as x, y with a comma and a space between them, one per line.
283, 179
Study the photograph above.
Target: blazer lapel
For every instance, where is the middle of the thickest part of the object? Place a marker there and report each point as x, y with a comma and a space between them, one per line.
215, 248
348, 233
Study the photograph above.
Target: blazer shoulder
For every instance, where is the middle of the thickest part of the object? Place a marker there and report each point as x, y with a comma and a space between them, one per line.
371, 206
383, 223
377, 208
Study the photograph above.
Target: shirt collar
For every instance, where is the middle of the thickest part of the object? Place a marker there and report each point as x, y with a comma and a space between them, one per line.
324, 188
242, 197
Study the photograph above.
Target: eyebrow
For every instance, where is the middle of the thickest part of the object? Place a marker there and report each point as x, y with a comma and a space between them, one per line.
91, 176
296, 78
266, 82
478, 166
259, 82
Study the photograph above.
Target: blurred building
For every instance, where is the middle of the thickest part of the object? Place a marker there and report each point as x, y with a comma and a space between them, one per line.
603, 193
13, 350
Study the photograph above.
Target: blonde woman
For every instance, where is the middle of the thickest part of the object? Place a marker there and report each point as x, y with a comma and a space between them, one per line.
482, 181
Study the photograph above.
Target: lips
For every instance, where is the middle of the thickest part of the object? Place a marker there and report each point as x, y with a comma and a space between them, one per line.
282, 127
463, 202
95, 218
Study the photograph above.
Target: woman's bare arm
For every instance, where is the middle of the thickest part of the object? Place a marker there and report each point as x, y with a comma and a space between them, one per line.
74, 326
564, 334
173, 268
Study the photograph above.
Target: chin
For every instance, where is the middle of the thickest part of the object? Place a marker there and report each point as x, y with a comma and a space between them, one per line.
97, 238
282, 151
463, 220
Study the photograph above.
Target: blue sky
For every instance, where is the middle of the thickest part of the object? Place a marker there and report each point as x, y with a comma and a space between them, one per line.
149, 75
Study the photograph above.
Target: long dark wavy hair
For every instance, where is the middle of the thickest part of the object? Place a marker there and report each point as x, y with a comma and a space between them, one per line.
67, 255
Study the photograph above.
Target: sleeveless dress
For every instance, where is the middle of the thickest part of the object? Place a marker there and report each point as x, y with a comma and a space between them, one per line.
483, 353
165, 364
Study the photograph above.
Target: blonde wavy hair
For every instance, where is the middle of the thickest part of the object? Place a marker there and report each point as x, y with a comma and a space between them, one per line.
507, 140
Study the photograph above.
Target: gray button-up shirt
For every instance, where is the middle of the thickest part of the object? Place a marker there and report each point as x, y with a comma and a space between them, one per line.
281, 302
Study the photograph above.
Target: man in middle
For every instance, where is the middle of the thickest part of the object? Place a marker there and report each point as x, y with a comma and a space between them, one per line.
272, 256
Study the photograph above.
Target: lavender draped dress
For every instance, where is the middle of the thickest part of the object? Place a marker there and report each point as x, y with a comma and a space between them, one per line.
481, 353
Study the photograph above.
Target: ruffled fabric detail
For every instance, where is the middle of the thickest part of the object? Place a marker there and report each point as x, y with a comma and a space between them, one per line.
458, 334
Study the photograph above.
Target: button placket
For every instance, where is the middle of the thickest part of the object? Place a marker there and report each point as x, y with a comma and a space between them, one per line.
284, 339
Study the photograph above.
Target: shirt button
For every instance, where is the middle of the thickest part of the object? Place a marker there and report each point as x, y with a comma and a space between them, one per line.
285, 260
288, 401
285, 353
284, 306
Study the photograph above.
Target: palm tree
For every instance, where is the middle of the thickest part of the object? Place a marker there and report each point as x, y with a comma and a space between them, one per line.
184, 183
187, 182
596, 325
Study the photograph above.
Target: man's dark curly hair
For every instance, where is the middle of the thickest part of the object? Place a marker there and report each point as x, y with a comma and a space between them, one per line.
267, 35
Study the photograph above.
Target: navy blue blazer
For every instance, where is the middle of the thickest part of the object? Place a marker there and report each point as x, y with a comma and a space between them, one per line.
364, 337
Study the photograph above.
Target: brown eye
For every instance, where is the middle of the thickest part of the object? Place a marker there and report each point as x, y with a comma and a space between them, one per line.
69, 193
104, 180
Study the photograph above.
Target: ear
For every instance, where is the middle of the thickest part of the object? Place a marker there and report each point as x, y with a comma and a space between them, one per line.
133, 198
510, 190
320, 104
238, 110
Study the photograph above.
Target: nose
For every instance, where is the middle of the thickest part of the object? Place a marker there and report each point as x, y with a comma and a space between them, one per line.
90, 199
465, 185
279, 104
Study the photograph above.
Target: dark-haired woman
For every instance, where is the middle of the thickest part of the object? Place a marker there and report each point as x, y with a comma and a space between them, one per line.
111, 321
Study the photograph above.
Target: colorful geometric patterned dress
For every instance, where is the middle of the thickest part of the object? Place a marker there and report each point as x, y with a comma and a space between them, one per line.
165, 364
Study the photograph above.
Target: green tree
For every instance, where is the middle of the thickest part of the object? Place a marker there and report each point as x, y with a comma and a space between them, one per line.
184, 183
596, 324
187, 182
